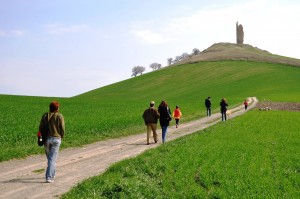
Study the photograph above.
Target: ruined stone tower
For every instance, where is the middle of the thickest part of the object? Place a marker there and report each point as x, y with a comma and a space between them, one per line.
239, 33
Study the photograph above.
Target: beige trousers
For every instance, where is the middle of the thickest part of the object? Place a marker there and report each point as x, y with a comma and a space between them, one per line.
151, 127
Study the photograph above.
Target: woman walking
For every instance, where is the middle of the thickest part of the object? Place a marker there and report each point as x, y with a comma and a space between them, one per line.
53, 126
164, 119
223, 105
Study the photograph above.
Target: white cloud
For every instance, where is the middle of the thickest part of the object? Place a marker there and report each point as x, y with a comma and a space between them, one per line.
61, 28
149, 36
2, 33
12, 33
18, 33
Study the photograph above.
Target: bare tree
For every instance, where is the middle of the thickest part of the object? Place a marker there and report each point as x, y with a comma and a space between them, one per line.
170, 61
178, 59
137, 70
185, 55
196, 51
155, 66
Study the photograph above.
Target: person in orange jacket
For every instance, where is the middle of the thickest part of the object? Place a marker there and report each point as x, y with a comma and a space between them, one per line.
177, 115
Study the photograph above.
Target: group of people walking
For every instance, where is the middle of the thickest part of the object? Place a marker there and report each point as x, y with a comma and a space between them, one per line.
53, 124
163, 114
223, 105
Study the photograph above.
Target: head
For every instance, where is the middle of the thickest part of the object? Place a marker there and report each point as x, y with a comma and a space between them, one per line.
163, 103
152, 103
223, 99
177, 106
208, 97
54, 106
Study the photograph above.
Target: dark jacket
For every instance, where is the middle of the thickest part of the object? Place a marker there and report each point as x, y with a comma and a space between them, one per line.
150, 115
223, 106
165, 115
207, 102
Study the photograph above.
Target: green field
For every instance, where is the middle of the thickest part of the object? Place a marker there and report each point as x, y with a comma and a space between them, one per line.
115, 110
252, 156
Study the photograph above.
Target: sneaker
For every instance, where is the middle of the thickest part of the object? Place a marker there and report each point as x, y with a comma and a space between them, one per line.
49, 180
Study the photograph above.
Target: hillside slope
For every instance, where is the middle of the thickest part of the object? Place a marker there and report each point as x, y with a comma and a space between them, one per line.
245, 52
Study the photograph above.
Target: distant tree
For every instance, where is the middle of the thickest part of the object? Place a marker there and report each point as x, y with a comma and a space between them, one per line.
185, 55
178, 59
137, 70
155, 66
170, 61
196, 51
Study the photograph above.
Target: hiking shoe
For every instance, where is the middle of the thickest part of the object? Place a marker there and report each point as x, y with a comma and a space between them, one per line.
49, 180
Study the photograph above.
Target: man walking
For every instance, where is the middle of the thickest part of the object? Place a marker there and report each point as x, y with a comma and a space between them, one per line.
208, 106
151, 116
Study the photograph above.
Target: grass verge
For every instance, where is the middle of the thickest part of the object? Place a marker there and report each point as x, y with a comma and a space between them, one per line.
253, 156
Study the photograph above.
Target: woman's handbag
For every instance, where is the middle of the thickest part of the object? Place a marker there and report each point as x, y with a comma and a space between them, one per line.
40, 139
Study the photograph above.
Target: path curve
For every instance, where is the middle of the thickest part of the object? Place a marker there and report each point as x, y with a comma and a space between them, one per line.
19, 179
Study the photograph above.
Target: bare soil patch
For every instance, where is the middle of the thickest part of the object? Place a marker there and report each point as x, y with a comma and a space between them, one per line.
287, 106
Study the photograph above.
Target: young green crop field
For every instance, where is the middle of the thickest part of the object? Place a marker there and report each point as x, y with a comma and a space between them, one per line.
253, 156
115, 110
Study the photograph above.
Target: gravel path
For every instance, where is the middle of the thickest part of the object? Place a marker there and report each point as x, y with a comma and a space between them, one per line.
21, 179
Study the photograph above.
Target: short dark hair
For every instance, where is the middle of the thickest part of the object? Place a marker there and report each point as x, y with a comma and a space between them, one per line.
53, 106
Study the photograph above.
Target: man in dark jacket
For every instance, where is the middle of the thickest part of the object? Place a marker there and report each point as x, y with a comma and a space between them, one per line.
151, 116
208, 106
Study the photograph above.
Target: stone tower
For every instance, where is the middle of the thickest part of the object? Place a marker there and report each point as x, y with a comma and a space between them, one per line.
239, 33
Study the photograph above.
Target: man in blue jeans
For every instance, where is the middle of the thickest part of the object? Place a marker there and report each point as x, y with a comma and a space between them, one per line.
53, 127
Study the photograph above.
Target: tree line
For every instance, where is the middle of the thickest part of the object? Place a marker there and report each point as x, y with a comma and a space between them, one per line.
139, 70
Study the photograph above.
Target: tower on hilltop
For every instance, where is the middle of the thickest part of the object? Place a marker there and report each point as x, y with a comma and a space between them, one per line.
239, 34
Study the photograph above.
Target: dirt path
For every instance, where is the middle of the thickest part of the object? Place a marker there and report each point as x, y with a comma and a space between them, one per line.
20, 179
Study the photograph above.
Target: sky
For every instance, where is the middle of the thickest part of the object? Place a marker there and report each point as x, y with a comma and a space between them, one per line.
63, 48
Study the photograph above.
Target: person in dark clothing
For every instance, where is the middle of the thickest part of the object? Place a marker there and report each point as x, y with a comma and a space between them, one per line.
208, 106
223, 105
164, 119
151, 116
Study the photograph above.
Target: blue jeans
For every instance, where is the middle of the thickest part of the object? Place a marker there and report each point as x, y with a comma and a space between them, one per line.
51, 149
164, 133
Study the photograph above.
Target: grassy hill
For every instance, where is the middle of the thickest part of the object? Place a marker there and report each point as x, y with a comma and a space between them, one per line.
253, 156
